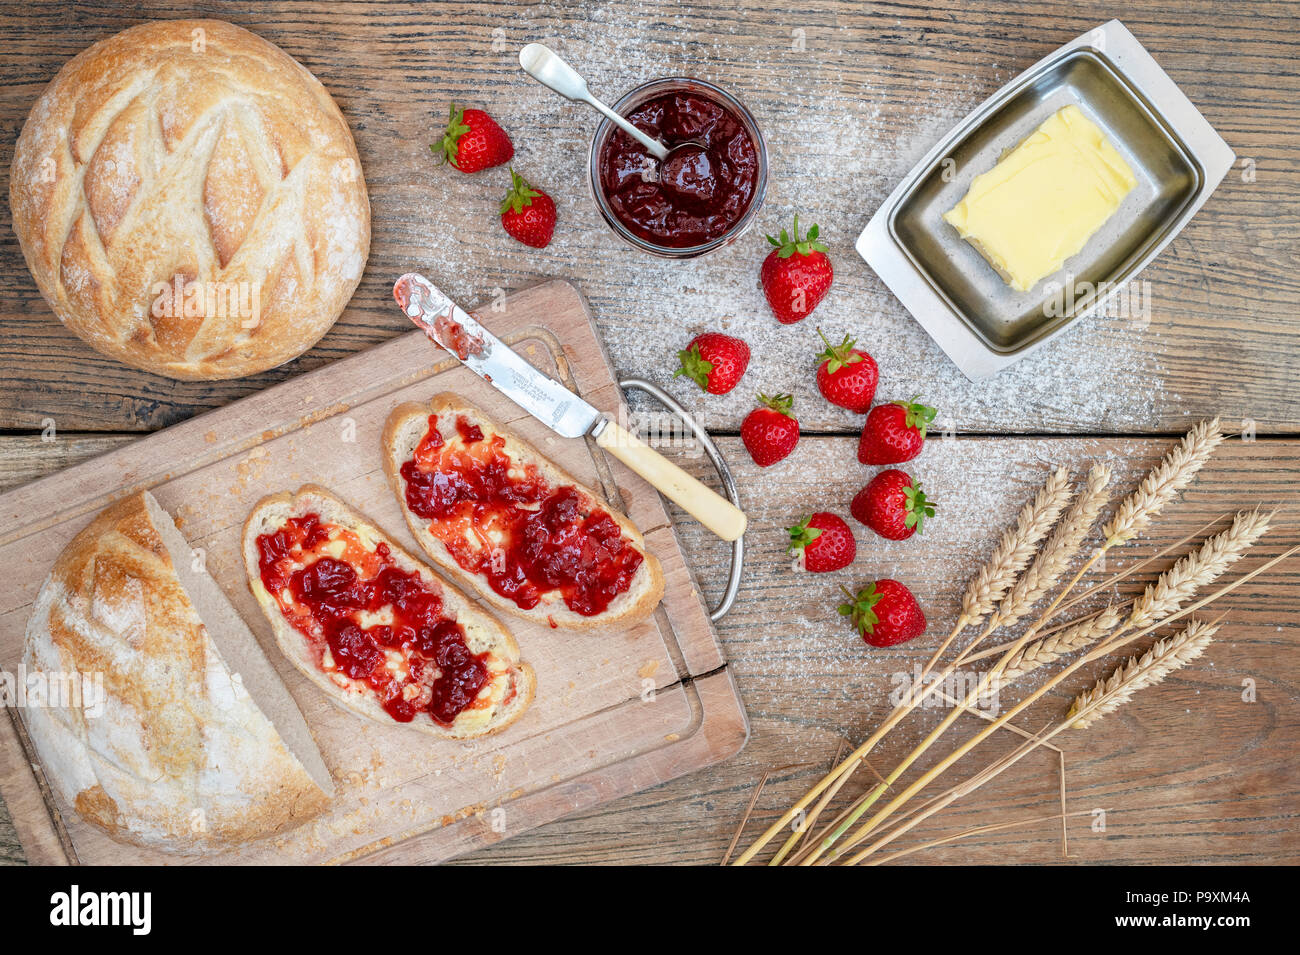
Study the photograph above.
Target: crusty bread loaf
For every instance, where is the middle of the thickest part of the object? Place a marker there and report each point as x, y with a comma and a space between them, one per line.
483, 634
406, 427
196, 744
190, 157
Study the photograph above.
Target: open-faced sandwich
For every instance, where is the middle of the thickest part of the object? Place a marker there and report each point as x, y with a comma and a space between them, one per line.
486, 505
167, 726
375, 628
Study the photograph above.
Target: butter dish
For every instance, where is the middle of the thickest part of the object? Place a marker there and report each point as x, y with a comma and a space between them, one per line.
981, 322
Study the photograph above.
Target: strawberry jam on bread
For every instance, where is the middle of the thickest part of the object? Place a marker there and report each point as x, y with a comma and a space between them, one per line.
375, 628
532, 540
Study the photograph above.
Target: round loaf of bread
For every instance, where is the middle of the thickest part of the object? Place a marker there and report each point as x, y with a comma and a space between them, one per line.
190, 201
158, 717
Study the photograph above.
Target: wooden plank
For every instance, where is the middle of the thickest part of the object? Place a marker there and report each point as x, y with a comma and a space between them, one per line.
849, 94
592, 712
1190, 772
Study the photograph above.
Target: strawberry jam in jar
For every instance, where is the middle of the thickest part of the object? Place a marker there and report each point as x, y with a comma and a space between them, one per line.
708, 190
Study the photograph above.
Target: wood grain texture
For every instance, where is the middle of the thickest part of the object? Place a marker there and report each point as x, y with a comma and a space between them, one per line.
1188, 772
849, 94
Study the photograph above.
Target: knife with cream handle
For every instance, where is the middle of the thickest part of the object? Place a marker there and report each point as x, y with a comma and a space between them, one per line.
554, 405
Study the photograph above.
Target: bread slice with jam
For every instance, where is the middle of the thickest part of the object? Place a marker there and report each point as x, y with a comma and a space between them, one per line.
524, 533
374, 627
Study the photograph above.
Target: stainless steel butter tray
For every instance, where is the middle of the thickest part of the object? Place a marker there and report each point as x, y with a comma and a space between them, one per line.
983, 324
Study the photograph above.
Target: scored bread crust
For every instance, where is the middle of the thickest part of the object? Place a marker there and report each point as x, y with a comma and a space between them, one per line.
406, 427
182, 757
482, 632
191, 150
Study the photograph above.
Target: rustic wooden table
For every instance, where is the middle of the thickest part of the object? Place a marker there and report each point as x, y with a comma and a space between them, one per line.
849, 94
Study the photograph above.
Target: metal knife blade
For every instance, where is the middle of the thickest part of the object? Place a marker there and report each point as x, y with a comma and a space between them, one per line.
487, 356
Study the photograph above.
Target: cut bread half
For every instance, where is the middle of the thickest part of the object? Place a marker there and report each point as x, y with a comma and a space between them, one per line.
479, 540
178, 735
414, 680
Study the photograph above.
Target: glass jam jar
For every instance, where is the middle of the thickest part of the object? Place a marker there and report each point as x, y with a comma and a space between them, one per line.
708, 190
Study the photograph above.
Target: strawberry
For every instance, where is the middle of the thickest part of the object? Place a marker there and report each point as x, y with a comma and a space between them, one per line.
884, 613
528, 214
892, 505
714, 361
848, 376
473, 141
894, 433
823, 542
796, 275
770, 431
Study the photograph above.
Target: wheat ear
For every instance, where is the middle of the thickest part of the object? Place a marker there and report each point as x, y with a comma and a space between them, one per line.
1051, 648
1016, 547
1199, 568
1138, 672
1165, 480
1056, 553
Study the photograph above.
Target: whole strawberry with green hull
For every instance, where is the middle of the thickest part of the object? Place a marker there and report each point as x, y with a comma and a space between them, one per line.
796, 275
528, 214
893, 505
847, 376
823, 542
884, 613
770, 431
895, 432
714, 361
473, 141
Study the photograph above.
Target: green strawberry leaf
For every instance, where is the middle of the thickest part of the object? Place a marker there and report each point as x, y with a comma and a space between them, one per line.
781, 403
918, 416
860, 610
918, 507
801, 535
521, 194
837, 356
804, 246
456, 128
694, 366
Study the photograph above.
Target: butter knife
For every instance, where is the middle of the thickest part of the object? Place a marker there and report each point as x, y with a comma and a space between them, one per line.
449, 326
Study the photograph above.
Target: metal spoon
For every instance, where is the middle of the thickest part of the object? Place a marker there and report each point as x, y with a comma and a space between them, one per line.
545, 65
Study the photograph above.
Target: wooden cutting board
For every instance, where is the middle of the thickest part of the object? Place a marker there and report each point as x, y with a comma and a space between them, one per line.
615, 712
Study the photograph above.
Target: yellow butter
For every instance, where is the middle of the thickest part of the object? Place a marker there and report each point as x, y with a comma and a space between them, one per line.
1044, 199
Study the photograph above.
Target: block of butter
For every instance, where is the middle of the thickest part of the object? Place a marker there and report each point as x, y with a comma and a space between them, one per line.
1044, 199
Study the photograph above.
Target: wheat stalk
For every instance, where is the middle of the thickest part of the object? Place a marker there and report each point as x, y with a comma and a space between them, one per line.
1138, 672
1057, 552
1051, 648
1199, 568
1165, 480
1016, 548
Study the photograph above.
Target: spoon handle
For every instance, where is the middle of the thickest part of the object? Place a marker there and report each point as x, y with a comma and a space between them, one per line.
657, 149
549, 68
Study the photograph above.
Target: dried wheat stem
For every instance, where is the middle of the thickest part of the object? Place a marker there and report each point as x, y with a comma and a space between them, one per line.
1089, 706
1201, 567
1165, 480
980, 831
1051, 648
1056, 553
1138, 672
